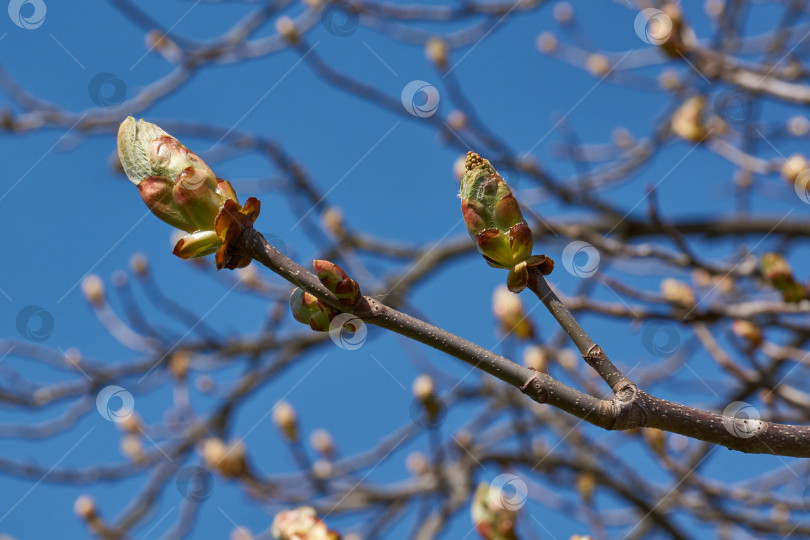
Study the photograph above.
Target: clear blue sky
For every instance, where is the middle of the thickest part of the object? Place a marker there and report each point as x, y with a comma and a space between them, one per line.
65, 213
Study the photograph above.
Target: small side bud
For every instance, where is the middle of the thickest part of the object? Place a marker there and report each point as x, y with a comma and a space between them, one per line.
423, 387
793, 167
749, 331
307, 309
301, 524
778, 272
139, 264
535, 357
598, 65
338, 282
491, 518
287, 29
85, 508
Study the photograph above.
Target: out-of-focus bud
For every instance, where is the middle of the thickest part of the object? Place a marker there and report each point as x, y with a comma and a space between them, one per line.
307, 309
286, 420
656, 439
178, 364
338, 282
228, 460
794, 166
139, 264
586, 485
494, 220
671, 32
688, 121
180, 189
301, 524
458, 168
563, 12
535, 357
779, 273
669, 80
417, 463
322, 469
597, 65
241, 533
677, 292
286, 28
568, 359
85, 508
492, 520
131, 424
622, 138
322, 442
132, 448
93, 290
798, 126
332, 220
748, 331
581, 537
457, 120
436, 51
423, 387
546, 42
508, 310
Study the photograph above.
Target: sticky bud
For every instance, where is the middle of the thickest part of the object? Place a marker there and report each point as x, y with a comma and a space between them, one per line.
656, 439
338, 282
494, 221
139, 264
598, 65
307, 309
586, 485
286, 420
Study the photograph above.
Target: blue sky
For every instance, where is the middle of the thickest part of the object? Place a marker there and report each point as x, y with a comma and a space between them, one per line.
66, 214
